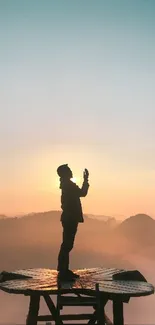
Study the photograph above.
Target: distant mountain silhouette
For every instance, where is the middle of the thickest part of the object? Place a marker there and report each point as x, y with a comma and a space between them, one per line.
99, 217
34, 240
110, 221
139, 228
3, 216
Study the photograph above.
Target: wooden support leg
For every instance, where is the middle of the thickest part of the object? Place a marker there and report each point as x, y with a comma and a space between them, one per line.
101, 302
101, 312
118, 312
93, 318
33, 309
53, 310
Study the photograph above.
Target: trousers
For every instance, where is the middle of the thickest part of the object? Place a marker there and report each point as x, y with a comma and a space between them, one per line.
68, 237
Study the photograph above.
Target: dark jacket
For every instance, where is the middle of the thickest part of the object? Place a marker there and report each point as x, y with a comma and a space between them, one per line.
70, 200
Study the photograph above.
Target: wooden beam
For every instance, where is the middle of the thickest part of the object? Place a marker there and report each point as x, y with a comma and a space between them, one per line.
42, 318
53, 310
77, 301
33, 309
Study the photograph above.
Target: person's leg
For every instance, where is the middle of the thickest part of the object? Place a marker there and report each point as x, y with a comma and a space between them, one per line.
69, 232
63, 258
71, 235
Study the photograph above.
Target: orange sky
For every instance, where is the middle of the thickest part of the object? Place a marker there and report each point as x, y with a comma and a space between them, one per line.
32, 184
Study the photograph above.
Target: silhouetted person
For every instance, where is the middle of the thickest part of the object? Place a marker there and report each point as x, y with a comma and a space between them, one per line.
70, 217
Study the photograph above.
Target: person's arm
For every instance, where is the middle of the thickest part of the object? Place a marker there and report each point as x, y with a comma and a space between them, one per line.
85, 186
84, 189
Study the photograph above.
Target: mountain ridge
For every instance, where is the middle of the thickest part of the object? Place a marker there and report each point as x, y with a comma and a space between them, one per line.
89, 215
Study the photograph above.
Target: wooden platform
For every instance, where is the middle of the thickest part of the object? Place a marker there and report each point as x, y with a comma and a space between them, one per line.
46, 280
44, 283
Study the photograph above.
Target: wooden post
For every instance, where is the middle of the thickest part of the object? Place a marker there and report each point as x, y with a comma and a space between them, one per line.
100, 306
33, 309
53, 310
118, 318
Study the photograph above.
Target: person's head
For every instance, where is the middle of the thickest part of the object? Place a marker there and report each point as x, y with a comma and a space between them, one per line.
64, 172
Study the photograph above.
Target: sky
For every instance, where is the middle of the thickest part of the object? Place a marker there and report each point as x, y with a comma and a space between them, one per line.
77, 86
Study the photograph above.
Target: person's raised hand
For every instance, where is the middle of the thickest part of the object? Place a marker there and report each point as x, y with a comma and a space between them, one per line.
85, 174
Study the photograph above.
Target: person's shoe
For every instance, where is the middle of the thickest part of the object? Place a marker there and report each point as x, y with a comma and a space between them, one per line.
67, 275
72, 274
64, 276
